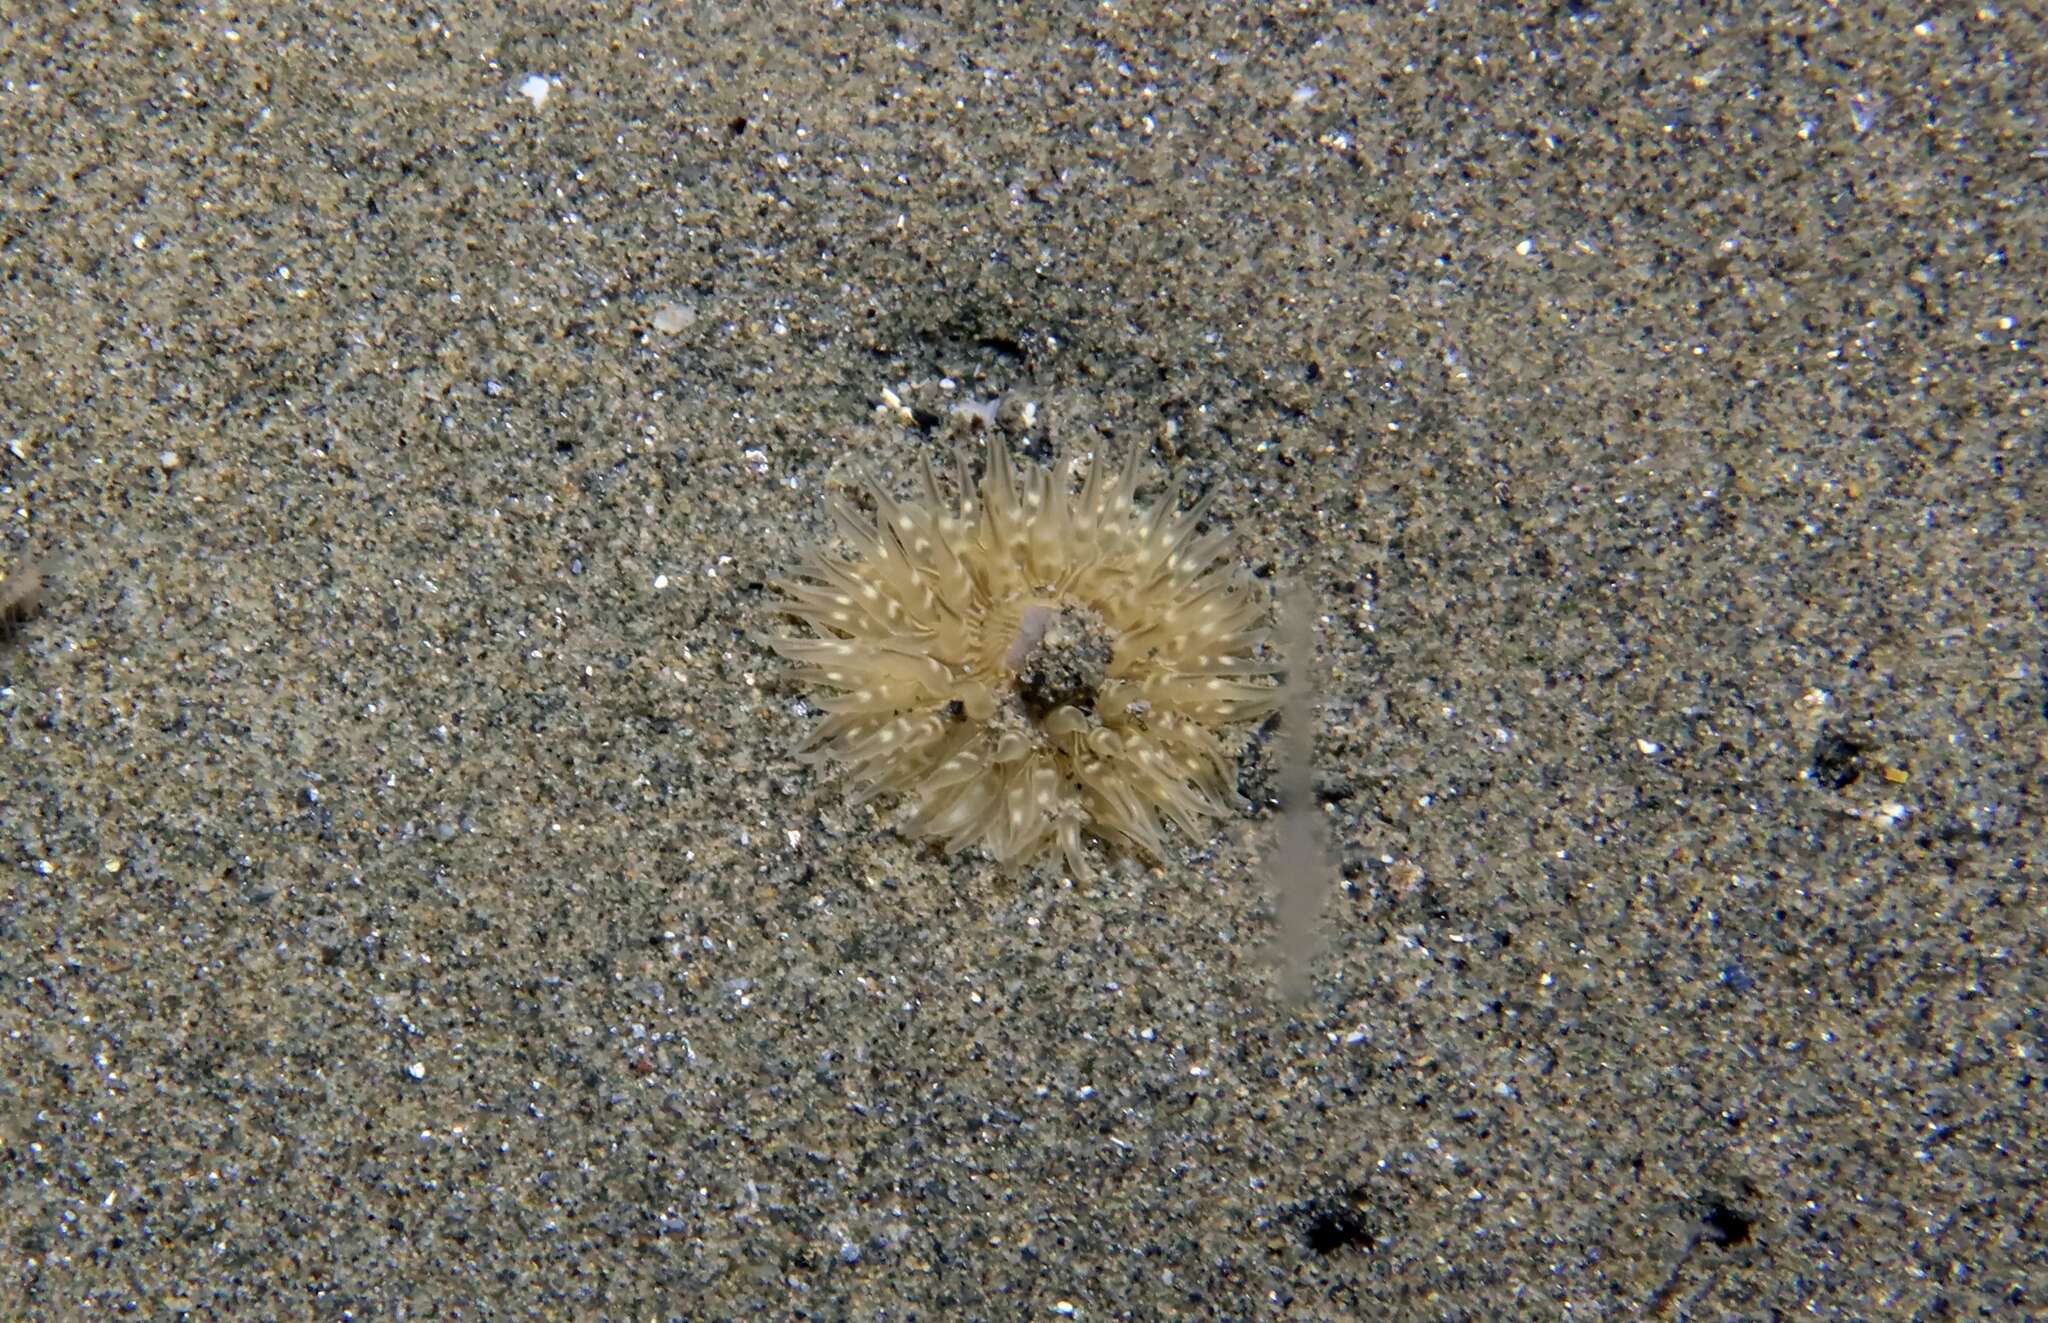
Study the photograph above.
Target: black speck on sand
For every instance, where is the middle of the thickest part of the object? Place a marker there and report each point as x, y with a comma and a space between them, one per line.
410, 908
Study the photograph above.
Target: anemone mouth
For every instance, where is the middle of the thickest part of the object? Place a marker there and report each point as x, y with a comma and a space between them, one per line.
1026, 662
1060, 657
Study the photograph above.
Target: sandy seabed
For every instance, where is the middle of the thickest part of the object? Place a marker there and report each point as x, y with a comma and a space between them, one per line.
410, 906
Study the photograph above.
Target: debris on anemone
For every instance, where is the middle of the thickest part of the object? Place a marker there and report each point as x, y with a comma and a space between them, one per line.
1025, 664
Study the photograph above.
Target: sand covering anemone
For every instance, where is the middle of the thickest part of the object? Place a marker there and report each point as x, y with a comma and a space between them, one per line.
1024, 662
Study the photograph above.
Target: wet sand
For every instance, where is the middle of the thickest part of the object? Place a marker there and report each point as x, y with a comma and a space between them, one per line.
411, 905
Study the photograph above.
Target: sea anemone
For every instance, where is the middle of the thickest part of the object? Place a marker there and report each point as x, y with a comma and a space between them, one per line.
1024, 662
